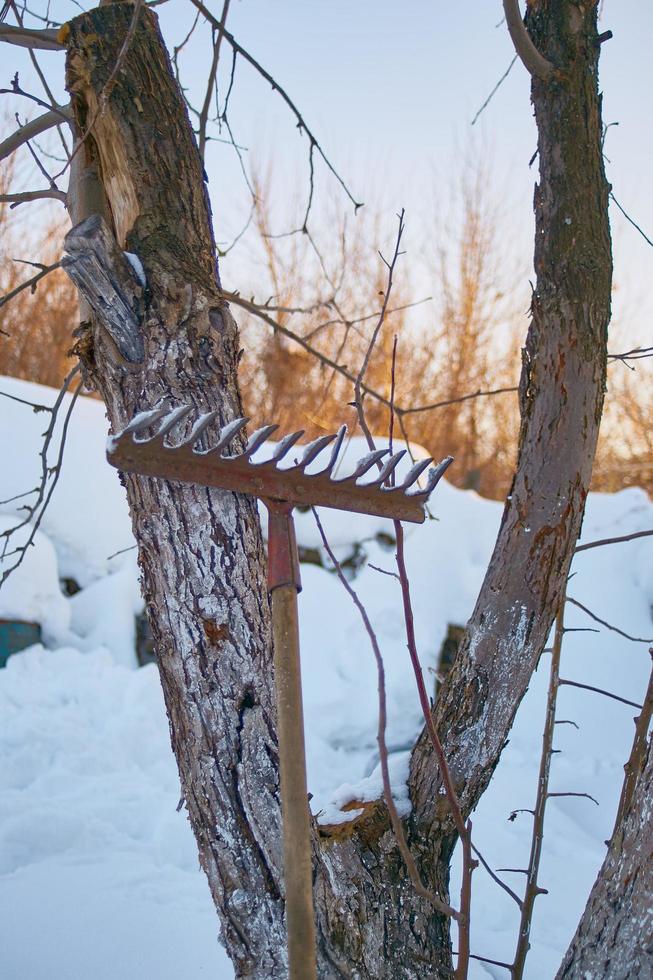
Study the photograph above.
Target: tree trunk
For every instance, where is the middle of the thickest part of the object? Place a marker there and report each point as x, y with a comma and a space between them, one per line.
614, 940
201, 550
561, 400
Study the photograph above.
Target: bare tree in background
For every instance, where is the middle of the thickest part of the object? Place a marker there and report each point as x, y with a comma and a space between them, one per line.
137, 185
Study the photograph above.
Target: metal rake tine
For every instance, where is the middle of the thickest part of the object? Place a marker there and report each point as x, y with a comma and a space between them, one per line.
363, 465
435, 475
228, 432
257, 439
314, 449
143, 421
415, 472
387, 469
170, 421
200, 427
285, 445
335, 452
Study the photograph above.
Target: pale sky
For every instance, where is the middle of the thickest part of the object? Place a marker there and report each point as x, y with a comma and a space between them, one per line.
390, 91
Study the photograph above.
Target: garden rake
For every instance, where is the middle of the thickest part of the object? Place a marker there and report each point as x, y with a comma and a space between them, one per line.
281, 489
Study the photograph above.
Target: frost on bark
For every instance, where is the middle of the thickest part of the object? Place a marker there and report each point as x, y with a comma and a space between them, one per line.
614, 940
201, 551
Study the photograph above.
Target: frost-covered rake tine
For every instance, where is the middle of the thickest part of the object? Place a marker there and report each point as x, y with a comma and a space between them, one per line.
280, 489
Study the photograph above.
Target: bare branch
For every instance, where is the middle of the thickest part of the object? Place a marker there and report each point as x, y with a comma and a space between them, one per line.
44, 40
43, 499
39, 71
211, 81
617, 540
284, 331
383, 749
22, 401
584, 796
535, 63
381, 319
598, 690
628, 218
23, 197
301, 124
615, 629
454, 401
108, 87
494, 90
533, 889
496, 878
29, 283
31, 129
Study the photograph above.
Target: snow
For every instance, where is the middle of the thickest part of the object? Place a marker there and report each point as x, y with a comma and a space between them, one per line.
137, 266
95, 860
32, 592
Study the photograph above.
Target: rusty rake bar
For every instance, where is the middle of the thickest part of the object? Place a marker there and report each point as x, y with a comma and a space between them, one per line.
281, 488
154, 456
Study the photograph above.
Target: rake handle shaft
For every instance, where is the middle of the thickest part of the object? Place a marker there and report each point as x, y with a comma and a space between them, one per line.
298, 870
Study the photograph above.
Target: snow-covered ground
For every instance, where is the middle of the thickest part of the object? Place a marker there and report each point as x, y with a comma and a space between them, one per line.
98, 871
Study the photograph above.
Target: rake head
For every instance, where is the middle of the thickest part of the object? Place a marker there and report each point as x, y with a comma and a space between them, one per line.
187, 462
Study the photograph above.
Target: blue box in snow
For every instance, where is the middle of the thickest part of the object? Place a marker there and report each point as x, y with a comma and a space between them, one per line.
16, 636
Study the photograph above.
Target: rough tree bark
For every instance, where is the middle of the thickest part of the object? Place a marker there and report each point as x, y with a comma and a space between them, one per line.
614, 938
201, 551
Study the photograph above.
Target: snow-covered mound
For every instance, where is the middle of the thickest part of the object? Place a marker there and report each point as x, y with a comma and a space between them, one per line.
98, 871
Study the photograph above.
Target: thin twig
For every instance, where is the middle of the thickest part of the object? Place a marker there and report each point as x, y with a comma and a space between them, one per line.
585, 796
56, 471
41, 75
455, 401
31, 129
495, 878
533, 889
603, 622
47, 439
597, 690
204, 113
494, 90
632, 222
463, 829
381, 319
29, 283
301, 124
24, 197
22, 401
409, 861
617, 540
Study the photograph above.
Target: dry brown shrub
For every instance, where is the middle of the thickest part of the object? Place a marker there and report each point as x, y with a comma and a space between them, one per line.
463, 341
37, 324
